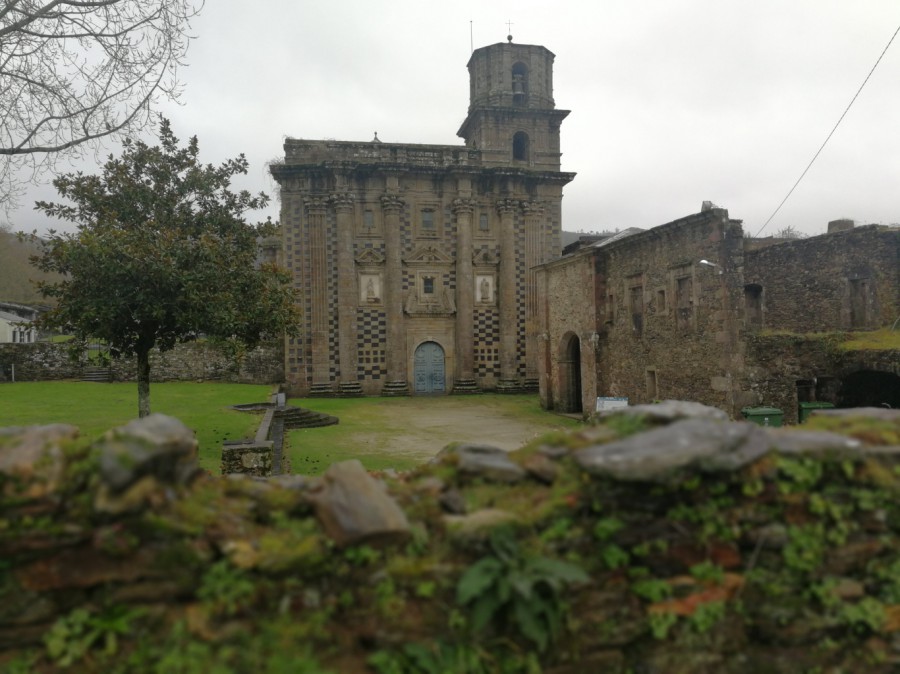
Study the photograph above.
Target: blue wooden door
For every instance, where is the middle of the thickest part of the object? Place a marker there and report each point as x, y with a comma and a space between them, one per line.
429, 368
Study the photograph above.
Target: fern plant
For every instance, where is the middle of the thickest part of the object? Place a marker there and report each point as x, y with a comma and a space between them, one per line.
511, 588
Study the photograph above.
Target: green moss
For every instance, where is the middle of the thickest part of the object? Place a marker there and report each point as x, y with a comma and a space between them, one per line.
873, 340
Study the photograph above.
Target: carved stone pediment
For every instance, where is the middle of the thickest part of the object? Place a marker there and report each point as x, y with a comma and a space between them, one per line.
428, 255
485, 258
370, 258
443, 303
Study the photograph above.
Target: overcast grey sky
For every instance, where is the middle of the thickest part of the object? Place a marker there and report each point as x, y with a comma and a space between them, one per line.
673, 101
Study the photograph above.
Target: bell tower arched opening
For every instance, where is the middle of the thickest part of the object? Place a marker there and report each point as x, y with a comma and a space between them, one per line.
520, 146
520, 83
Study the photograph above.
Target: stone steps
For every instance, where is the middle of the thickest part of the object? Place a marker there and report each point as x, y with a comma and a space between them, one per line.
300, 417
99, 375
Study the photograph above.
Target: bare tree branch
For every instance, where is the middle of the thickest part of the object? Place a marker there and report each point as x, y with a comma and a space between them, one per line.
73, 72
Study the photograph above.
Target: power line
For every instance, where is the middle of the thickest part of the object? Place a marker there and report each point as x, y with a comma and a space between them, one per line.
816, 156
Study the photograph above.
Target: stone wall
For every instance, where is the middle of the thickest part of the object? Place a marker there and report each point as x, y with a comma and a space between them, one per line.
40, 361
807, 282
569, 313
665, 540
194, 361
670, 322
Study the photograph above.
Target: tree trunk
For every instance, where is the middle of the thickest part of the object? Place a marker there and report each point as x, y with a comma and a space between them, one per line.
143, 379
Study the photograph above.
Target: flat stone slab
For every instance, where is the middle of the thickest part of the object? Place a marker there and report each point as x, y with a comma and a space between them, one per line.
881, 413
491, 463
795, 441
668, 410
659, 454
355, 508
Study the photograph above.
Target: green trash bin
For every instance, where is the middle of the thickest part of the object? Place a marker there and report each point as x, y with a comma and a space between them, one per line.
763, 416
806, 409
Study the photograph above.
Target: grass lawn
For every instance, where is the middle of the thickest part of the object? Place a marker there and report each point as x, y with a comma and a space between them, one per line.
95, 408
402, 433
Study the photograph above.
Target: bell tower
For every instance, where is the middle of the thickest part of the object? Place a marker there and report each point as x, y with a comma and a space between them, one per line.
512, 118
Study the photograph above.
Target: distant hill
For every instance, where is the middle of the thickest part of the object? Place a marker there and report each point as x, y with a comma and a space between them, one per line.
16, 272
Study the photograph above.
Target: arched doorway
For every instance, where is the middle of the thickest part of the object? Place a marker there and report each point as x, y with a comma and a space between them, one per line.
570, 375
428, 368
869, 388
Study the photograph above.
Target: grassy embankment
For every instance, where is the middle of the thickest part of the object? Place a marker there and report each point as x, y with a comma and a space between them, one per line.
95, 408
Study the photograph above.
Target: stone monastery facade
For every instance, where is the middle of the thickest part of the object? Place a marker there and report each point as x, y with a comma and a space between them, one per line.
414, 263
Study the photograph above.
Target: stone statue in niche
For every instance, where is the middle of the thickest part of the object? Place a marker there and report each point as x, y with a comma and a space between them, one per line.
484, 289
369, 289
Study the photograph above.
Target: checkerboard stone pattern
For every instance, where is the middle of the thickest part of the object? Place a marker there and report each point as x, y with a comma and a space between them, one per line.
372, 326
487, 343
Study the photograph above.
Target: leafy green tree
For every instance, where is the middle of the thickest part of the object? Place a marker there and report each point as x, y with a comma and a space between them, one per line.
162, 255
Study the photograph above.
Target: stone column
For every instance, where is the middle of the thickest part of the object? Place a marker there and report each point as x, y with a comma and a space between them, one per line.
296, 360
509, 329
348, 297
318, 296
534, 220
395, 347
464, 378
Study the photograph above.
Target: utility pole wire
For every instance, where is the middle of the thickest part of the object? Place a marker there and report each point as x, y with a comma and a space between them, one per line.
832, 132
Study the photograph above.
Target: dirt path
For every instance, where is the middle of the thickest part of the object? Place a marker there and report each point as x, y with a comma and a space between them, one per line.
423, 427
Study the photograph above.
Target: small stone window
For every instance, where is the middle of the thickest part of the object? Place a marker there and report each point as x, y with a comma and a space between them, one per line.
753, 304
368, 221
520, 146
861, 300
661, 301
428, 285
652, 384
483, 223
684, 302
428, 222
636, 306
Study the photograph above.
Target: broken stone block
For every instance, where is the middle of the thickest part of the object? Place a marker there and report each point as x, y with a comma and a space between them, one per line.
479, 524
156, 445
353, 508
32, 459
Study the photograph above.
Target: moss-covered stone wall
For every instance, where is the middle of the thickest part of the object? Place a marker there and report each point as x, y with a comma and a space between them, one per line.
663, 540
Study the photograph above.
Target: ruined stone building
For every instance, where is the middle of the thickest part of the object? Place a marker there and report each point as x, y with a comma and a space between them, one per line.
695, 310
413, 263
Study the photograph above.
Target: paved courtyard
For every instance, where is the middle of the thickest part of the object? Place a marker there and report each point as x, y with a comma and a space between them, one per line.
417, 428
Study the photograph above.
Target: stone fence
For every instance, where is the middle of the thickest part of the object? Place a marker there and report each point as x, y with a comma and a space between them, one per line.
664, 540
193, 361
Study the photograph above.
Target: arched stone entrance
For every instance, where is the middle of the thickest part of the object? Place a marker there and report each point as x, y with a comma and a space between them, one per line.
570, 374
428, 368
